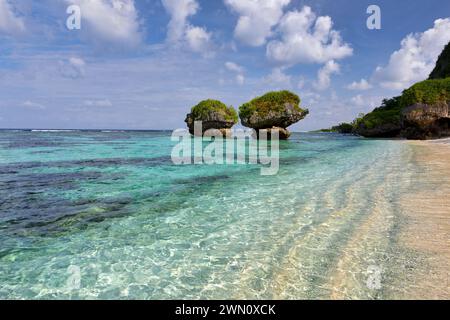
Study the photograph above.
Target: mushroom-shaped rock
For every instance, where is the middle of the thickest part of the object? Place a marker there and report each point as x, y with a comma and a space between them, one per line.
273, 111
212, 114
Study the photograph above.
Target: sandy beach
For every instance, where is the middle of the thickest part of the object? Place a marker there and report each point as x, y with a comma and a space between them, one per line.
427, 210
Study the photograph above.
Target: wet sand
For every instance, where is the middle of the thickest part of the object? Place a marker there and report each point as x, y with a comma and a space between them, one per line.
427, 209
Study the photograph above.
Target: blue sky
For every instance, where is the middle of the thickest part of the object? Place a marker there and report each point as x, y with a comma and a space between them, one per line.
144, 64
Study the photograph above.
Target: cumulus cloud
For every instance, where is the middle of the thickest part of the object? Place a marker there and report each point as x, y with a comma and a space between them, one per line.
73, 68
416, 58
180, 11
361, 85
256, 19
306, 38
198, 39
233, 67
98, 103
10, 23
278, 78
324, 75
110, 21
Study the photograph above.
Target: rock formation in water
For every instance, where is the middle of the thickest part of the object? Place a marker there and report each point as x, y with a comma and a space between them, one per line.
213, 114
273, 111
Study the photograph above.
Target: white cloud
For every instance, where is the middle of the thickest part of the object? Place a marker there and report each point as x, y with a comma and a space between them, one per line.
307, 39
358, 100
98, 103
10, 23
179, 30
73, 68
180, 11
33, 105
256, 19
324, 75
363, 103
278, 78
233, 67
363, 84
416, 58
111, 21
199, 40
240, 79
310, 97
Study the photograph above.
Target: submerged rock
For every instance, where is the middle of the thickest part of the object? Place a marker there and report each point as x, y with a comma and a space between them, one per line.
273, 111
212, 114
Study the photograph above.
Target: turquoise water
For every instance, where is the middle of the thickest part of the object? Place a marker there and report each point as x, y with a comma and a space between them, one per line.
89, 215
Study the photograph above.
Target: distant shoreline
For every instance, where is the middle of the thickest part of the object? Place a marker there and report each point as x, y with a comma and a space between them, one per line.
109, 130
85, 130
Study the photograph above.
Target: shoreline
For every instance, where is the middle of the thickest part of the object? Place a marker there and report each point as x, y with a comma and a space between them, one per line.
427, 210
444, 141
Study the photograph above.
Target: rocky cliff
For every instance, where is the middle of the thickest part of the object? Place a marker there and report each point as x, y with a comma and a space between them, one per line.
421, 112
423, 121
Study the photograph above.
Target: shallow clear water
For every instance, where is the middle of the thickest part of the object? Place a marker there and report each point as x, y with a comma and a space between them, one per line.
110, 209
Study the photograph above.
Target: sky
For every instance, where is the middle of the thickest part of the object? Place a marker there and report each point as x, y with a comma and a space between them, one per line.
143, 64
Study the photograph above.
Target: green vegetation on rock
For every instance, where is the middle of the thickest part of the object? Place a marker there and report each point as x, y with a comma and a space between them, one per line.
204, 109
272, 101
342, 128
387, 120
276, 110
428, 92
388, 113
419, 113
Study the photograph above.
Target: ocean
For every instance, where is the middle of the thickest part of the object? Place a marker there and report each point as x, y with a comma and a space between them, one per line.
106, 215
